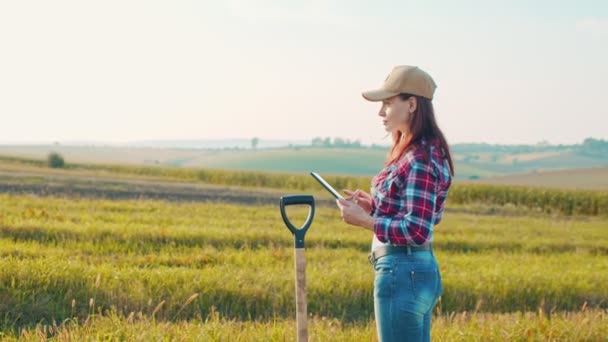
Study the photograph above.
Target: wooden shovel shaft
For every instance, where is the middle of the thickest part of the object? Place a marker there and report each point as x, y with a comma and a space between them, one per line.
301, 312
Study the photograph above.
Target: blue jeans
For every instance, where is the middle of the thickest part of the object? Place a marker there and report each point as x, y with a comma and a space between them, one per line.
406, 288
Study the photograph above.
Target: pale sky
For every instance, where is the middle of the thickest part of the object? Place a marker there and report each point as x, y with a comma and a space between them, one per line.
507, 71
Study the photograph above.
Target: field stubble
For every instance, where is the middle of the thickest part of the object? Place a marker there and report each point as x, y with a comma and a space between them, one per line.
147, 268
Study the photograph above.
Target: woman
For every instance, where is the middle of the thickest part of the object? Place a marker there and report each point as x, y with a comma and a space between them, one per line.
406, 202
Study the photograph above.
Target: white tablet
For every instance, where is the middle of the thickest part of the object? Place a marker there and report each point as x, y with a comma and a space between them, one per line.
326, 185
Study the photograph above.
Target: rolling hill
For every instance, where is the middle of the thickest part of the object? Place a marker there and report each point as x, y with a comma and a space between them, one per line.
587, 179
495, 163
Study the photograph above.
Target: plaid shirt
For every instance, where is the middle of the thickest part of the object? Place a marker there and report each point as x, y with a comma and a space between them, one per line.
409, 196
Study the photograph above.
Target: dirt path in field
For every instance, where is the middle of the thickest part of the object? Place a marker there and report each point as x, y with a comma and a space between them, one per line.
78, 186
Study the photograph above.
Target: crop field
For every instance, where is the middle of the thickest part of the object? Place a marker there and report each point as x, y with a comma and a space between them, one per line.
558, 200
76, 269
113, 252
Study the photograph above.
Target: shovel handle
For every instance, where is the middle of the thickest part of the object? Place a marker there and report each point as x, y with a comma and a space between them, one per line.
300, 261
299, 233
301, 310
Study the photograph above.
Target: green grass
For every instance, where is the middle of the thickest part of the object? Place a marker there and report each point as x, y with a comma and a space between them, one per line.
145, 269
586, 325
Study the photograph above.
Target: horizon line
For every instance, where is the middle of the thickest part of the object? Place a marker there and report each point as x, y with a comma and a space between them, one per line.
287, 142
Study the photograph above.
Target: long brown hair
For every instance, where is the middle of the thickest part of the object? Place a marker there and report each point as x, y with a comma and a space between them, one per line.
422, 126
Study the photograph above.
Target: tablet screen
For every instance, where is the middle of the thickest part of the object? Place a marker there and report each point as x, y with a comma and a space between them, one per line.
326, 185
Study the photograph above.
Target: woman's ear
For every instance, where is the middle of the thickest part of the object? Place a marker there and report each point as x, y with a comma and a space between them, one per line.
413, 104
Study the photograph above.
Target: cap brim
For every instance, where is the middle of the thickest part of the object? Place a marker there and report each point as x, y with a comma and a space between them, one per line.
378, 95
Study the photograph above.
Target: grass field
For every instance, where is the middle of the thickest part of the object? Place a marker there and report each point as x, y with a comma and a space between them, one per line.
336, 161
31, 173
591, 178
80, 269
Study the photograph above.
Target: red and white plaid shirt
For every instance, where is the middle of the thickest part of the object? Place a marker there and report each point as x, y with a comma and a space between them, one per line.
409, 196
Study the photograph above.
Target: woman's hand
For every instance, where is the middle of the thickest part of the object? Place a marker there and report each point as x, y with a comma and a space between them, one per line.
361, 198
354, 214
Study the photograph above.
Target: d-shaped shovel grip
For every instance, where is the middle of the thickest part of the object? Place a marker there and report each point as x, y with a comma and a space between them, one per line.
299, 233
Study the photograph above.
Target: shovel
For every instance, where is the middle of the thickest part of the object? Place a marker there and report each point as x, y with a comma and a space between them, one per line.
300, 261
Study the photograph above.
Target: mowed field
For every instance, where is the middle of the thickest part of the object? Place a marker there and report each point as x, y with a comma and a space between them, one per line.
74, 268
591, 178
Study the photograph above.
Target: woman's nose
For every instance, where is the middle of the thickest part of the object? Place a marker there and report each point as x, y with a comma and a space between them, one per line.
381, 112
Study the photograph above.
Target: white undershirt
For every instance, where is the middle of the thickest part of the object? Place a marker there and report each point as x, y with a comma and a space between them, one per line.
377, 243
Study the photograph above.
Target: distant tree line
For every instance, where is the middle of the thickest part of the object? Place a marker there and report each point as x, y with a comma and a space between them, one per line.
589, 146
595, 147
337, 142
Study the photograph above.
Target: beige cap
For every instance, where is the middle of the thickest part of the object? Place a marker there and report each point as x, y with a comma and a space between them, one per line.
403, 79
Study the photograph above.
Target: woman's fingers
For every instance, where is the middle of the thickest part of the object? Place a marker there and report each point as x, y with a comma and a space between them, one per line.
342, 202
352, 194
365, 195
345, 202
362, 194
349, 194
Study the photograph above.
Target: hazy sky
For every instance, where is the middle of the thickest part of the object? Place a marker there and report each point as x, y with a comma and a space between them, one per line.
507, 71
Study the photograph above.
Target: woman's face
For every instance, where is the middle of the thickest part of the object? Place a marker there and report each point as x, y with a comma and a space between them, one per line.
396, 113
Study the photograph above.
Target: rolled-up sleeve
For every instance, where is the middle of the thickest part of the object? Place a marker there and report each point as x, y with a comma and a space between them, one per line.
408, 218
